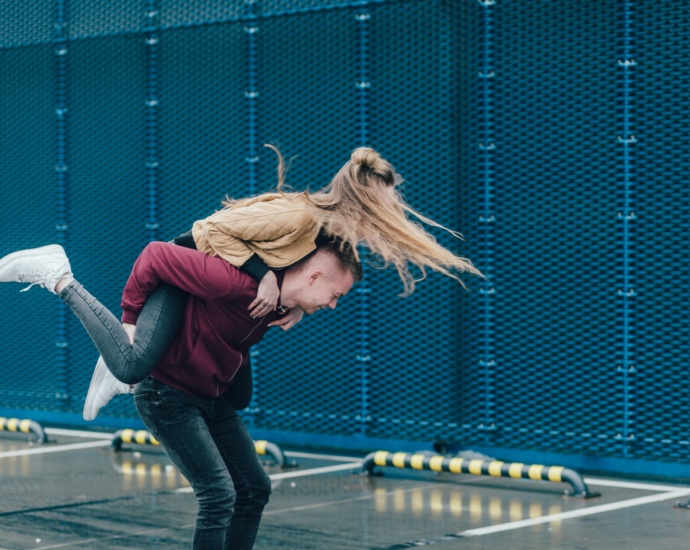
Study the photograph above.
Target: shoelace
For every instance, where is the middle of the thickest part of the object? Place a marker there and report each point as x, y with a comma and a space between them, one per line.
32, 284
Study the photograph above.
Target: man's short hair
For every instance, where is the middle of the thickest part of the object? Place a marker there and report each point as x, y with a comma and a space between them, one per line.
343, 252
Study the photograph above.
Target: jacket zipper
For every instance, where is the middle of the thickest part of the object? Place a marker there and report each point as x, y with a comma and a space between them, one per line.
251, 332
229, 379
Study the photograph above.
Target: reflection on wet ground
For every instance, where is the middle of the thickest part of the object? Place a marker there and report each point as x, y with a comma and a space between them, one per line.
94, 498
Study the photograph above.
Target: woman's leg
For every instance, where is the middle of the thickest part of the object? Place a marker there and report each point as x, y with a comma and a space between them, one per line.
157, 326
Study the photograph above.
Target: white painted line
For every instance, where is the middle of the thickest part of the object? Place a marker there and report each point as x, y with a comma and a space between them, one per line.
78, 433
161, 530
303, 473
56, 449
157, 530
105, 435
297, 454
319, 456
589, 511
317, 471
632, 485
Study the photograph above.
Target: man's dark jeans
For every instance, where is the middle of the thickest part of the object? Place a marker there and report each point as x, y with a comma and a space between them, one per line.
207, 441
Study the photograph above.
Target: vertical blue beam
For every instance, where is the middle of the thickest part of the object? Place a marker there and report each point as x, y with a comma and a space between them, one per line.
251, 95
363, 84
150, 32
627, 216
486, 148
60, 44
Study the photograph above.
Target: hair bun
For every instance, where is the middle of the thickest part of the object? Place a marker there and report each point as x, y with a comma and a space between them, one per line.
365, 156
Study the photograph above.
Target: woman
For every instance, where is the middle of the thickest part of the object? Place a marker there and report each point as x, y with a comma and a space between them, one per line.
360, 205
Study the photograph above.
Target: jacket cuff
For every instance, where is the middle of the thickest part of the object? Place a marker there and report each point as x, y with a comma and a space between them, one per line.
255, 267
129, 317
186, 240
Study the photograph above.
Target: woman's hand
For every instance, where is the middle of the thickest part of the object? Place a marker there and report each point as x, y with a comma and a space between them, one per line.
130, 330
266, 297
290, 319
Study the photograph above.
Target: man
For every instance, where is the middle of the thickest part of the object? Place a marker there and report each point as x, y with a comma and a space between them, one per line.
182, 402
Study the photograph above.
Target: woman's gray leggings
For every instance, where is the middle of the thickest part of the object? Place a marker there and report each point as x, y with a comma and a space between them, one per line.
157, 325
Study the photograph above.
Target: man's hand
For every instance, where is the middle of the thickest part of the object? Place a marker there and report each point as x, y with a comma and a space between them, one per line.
290, 319
130, 330
266, 297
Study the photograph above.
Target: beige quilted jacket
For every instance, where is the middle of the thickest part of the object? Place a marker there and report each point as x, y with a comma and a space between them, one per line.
278, 229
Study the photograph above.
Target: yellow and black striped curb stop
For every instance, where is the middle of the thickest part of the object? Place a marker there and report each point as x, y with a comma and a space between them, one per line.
516, 470
142, 437
25, 426
266, 448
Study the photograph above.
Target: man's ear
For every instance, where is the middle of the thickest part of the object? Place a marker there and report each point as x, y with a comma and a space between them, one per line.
315, 275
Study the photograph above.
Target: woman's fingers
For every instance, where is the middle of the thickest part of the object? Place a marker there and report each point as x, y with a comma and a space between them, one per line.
262, 308
284, 322
258, 311
293, 317
263, 304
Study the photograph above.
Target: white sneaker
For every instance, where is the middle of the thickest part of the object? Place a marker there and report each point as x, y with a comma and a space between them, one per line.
43, 266
104, 386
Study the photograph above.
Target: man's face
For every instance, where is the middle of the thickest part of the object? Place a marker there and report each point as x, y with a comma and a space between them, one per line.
324, 289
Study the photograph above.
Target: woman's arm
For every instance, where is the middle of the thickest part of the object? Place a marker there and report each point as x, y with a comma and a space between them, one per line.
272, 226
268, 293
279, 228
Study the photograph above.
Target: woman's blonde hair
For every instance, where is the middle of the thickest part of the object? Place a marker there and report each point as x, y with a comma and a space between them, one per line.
357, 208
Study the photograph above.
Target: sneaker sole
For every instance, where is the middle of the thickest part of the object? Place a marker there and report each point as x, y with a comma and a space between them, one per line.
96, 380
43, 250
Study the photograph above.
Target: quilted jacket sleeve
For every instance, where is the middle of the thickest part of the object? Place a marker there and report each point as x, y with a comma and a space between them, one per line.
279, 231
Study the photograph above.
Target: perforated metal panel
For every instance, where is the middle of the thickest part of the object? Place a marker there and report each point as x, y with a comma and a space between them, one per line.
661, 341
550, 133
548, 240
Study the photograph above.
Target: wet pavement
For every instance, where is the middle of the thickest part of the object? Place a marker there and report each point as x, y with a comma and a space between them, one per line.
82, 495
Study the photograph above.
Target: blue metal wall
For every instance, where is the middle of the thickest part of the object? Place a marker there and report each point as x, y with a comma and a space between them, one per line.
551, 133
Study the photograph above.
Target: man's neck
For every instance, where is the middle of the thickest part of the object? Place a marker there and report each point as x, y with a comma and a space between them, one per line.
288, 288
